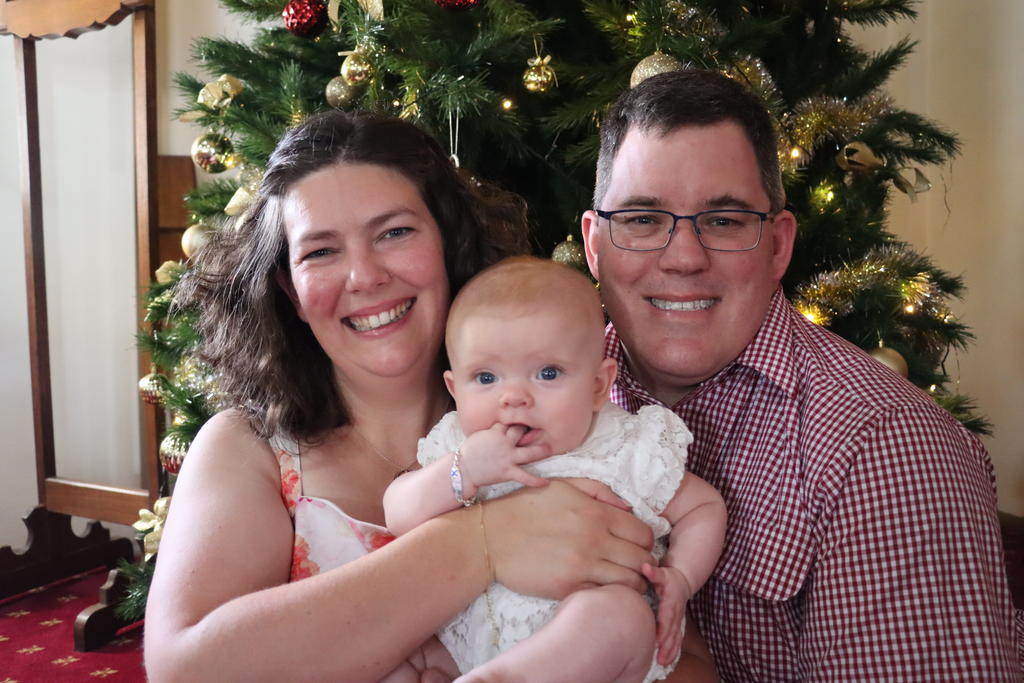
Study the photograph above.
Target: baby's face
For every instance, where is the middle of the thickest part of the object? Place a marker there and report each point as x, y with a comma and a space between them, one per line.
543, 371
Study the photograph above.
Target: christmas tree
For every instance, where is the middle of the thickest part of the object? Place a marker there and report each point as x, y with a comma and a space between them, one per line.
516, 91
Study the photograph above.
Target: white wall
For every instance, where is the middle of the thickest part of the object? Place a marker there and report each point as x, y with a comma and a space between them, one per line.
85, 90
966, 74
86, 167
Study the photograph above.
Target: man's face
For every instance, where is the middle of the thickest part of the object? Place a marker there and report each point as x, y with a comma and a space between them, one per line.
684, 312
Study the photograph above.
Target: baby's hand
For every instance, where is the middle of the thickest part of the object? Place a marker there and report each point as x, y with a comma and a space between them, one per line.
491, 456
673, 591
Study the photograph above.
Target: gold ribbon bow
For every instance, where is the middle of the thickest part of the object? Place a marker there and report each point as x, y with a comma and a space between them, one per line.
911, 189
856, 156
219, 93
152, 525
374, 8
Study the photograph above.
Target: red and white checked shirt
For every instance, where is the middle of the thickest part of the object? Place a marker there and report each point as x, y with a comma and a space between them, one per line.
863, 541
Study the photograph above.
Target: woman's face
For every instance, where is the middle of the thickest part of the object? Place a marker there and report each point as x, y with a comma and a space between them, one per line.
367, 270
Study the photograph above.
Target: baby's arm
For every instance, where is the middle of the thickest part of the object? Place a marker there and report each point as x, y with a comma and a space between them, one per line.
489, 456
697, 516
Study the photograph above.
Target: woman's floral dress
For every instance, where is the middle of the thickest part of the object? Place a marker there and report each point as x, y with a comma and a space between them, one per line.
325, 537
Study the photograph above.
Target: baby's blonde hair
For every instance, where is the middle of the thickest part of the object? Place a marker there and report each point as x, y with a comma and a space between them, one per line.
521, 285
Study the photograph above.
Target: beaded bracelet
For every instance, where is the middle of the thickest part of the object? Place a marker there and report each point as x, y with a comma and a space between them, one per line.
456, 476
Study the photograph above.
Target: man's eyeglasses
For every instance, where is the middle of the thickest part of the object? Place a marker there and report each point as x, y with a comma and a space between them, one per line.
718, 230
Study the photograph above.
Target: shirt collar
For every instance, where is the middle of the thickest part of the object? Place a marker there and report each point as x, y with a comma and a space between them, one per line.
770, 354
771, 351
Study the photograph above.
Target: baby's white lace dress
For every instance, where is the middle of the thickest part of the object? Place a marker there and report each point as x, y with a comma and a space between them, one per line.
640, 457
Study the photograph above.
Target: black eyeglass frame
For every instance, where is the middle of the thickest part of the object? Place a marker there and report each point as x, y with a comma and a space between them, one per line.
763, 215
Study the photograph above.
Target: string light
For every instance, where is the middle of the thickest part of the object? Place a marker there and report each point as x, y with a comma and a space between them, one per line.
813, 312
822, 196
630, 18
506, 104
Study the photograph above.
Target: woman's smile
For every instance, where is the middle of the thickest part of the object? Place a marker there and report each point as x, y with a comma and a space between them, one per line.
375, 321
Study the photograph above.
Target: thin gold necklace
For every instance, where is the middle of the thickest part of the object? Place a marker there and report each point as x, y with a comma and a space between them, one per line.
376, 451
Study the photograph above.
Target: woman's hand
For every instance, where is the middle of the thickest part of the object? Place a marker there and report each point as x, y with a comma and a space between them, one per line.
551, 541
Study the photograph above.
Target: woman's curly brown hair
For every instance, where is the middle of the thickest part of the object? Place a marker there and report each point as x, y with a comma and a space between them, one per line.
268, 363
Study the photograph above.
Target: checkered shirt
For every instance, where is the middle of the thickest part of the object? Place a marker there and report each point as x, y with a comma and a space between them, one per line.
863, 541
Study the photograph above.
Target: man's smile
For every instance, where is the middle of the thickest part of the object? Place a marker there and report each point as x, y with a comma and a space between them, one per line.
692, 305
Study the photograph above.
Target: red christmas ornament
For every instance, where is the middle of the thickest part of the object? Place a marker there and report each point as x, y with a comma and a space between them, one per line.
456, 4
305, 18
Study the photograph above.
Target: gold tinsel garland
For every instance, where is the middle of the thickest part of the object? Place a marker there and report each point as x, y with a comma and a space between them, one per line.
832, 294
817, 118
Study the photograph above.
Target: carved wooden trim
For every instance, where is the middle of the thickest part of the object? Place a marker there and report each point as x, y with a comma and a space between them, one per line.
54, 551
34, 19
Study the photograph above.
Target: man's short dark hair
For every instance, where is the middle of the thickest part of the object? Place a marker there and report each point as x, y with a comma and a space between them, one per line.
690, 97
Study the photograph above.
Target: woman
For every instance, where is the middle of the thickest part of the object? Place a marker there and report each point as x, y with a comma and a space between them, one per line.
324, 315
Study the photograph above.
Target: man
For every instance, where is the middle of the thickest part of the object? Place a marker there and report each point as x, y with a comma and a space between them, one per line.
863, 541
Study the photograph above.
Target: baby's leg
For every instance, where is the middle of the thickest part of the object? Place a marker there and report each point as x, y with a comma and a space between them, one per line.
430, 663
598, 634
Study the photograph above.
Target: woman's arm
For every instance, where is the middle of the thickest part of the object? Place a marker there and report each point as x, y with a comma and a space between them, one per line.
220, 608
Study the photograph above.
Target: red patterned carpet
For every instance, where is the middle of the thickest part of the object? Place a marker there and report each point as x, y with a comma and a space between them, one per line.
36, 641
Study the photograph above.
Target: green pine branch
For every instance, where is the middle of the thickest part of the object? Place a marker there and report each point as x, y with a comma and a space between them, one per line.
875, 12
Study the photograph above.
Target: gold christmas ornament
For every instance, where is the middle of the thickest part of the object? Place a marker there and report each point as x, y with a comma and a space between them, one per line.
652, 65
539, 75
570, 252
213, 153
890, 358
357, 68
339, 92
752, 73
856, 156
173, 449
194, 238
195, 376
149, 389
239, 201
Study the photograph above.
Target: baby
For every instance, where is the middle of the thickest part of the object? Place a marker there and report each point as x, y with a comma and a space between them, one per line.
530, 381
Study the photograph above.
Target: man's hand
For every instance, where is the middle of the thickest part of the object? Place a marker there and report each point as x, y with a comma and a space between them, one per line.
491, 456
673, 592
